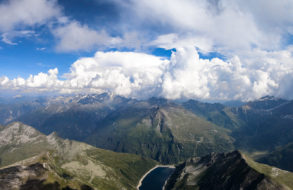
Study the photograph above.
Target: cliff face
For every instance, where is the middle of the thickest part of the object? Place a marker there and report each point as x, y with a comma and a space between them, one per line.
221, 172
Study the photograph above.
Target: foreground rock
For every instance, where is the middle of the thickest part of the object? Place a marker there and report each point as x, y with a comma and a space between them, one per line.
228, 171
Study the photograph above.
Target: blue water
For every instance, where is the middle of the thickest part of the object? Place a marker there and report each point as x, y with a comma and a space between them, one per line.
155, 180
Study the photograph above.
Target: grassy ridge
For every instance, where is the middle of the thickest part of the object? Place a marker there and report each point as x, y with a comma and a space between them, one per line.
281, 176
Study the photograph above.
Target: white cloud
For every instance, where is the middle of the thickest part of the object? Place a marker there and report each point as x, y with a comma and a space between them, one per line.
19, 16
249, 33
73, 37
21, 13
185, 75
9, 37
123, 73
192, 77
173, 40
4, 81
227, 25
40, 82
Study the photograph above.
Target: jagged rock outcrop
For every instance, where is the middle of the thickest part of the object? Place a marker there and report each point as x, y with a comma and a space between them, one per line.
31, 177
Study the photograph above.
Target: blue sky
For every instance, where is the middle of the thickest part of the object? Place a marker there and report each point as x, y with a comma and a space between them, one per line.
37, 53
180, 49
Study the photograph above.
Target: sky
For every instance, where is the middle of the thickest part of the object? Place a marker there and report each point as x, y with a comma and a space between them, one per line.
177, 49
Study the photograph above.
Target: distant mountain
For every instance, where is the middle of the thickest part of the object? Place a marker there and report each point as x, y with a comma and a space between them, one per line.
265, 124
216, 113
228, 171
163, 131
31, 160
233, 103
266, 103
71, 117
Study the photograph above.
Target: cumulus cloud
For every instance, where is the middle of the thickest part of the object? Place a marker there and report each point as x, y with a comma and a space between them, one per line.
40, 82
192, 77
185, 75
123, 73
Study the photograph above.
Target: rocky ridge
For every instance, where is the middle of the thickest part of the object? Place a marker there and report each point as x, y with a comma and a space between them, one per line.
224, 171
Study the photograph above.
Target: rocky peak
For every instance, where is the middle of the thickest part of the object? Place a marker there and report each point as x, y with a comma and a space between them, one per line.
267, 102
94, 98
53, 138
18, 133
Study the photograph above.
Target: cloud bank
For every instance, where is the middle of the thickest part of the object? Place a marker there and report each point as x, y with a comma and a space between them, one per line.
185, 75
227, 25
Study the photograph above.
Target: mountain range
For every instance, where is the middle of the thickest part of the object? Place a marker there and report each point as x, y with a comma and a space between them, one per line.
165, 130
32, 160
142, 133
160, 129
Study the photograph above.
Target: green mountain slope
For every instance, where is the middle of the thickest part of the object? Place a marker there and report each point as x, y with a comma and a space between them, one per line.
228, 171
41, 160
266, 124
281, 157
215, 113
166, 133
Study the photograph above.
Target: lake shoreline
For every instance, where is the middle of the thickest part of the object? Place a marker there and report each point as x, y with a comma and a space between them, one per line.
155, 167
